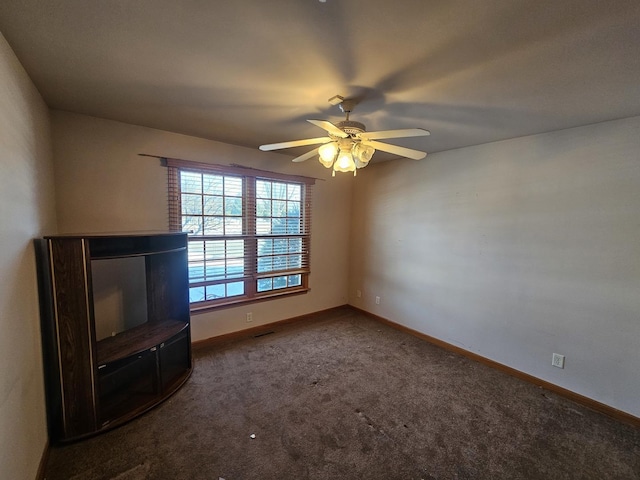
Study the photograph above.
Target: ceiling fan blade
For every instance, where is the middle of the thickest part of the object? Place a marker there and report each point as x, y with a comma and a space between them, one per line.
306, 156
405, 132
329, 127
294, 143
397, 150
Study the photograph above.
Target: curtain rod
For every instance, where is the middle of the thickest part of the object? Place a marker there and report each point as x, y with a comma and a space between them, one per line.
234, 165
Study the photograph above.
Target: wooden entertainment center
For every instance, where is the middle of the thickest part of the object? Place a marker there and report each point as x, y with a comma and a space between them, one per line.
96, 382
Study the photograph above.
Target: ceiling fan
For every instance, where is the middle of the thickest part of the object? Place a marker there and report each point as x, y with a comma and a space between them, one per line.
349, 146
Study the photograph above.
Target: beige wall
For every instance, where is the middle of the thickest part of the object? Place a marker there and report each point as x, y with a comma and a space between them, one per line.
102, 185
27, 212
514, 250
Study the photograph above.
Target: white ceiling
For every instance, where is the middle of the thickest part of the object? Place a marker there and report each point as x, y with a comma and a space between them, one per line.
249, 72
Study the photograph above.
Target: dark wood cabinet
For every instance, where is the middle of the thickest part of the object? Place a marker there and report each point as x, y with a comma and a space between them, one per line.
115, 327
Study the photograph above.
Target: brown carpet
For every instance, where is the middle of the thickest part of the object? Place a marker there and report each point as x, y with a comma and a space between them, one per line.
341, 396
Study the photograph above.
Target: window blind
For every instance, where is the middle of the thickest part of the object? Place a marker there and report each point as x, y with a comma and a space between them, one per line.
249, 231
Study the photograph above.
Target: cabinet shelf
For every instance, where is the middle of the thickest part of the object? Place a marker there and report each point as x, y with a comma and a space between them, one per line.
136, 340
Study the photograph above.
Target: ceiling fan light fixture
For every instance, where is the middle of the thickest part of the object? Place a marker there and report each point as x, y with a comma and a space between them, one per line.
362, 154
328, 153
345, 155
344, 162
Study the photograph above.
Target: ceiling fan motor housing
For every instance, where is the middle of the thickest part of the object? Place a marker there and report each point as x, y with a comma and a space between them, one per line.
351, 127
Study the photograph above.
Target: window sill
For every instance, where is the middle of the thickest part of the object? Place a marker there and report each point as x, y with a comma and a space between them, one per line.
195, 310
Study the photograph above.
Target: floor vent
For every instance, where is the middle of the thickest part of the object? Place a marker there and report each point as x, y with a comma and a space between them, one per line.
263, 334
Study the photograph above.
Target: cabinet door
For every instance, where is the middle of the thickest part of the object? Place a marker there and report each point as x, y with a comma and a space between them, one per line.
127, 385
175, 361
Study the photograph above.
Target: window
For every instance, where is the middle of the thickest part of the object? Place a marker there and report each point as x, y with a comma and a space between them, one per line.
249, 231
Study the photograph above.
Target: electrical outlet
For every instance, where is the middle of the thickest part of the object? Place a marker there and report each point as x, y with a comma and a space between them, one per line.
249, 317
557, 360
377, 300
358, 293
